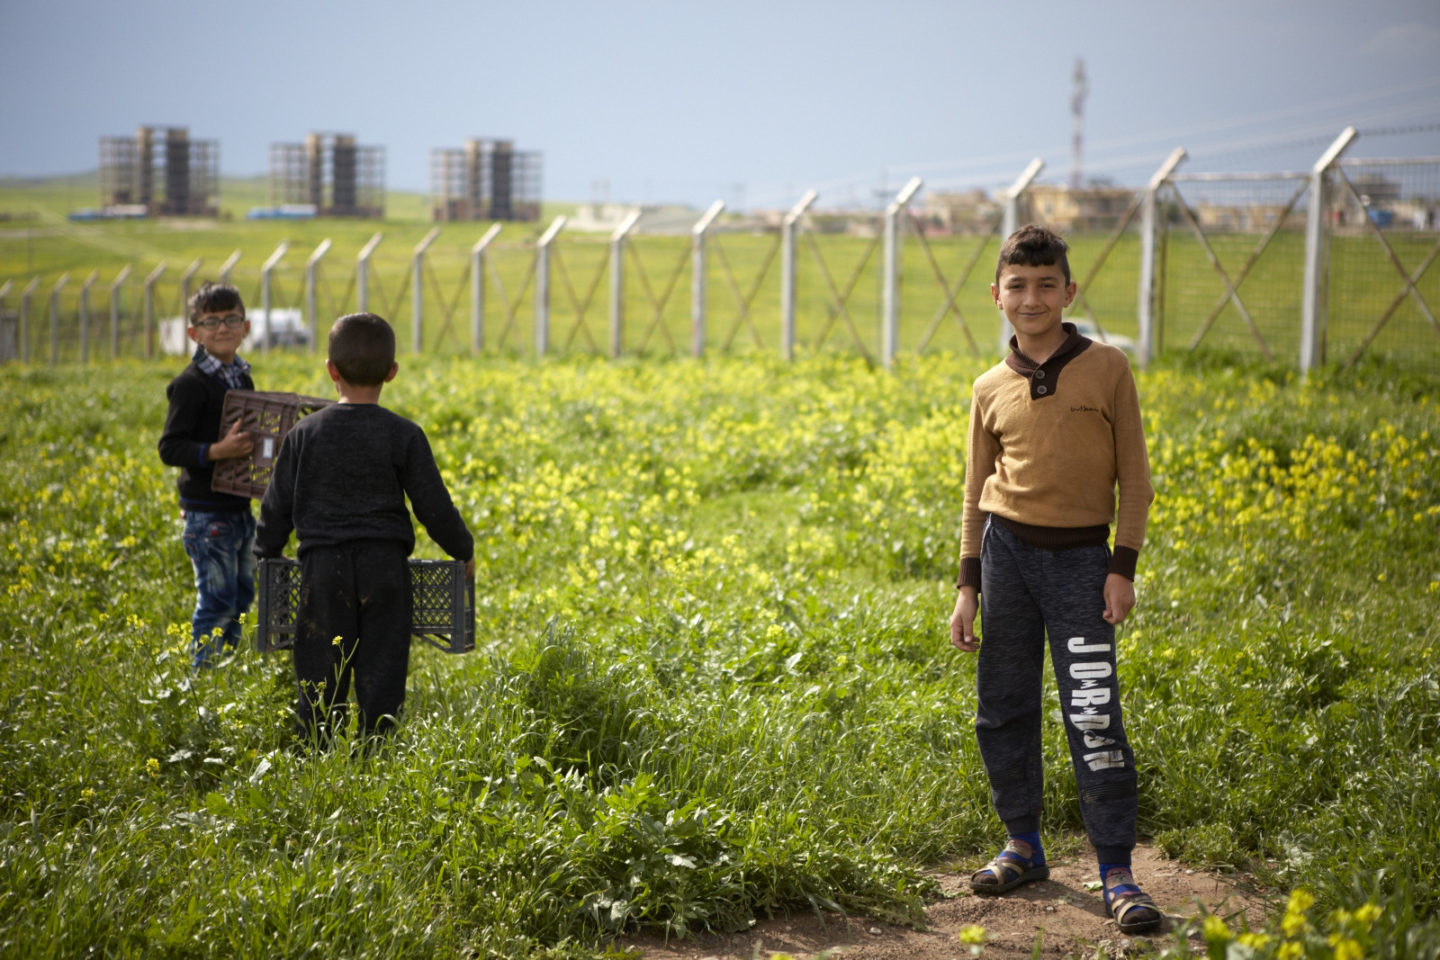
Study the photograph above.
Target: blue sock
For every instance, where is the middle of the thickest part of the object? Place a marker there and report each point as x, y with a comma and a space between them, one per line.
1105, 869
1032, 838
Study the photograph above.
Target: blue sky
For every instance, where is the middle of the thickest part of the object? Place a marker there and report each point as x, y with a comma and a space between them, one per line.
749, 102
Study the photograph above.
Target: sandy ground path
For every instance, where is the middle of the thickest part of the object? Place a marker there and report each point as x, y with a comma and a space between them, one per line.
1065, 918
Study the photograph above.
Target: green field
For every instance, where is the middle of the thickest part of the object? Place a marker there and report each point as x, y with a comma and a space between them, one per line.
713, 680
838, 286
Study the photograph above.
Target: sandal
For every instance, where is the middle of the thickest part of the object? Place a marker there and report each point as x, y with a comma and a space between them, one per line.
1015, 865
1132, 908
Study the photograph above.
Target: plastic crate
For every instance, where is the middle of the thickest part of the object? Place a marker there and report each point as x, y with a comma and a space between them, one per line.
443, 601
267, 417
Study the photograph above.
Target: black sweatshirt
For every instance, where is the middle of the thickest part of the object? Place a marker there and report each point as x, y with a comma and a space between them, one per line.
343, 474
191, 426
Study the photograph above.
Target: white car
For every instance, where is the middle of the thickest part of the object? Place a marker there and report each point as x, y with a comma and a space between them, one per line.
1087, 328
287, 326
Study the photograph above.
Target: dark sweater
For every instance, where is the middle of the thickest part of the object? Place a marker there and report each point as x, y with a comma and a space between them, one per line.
191, 426
342, 475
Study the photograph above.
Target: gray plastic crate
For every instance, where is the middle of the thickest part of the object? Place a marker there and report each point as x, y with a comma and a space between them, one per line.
443, 601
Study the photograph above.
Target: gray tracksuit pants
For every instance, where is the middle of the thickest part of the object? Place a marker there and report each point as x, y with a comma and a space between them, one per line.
1028, 593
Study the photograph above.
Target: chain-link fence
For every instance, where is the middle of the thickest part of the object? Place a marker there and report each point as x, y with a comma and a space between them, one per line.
1384, 235
1253, 264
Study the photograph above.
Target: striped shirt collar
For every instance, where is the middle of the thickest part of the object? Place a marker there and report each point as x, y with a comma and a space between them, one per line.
230, 374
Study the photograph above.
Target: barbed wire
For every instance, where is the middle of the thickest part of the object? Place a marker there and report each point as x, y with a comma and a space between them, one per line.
1399, 131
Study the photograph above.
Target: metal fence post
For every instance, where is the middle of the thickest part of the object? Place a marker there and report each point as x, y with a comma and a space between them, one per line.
542, 285
890, 292
788, 229
1009, 223
417, 279
1148, 229
1312, 308
477, 288
617, 281
228, 266
55, 317
85, 315
267, 289
697, 277
311, 312
116, 286
150, 282
362, 273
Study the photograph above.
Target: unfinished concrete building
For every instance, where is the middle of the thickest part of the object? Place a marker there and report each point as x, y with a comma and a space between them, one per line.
486, 180
160, 171
330, 172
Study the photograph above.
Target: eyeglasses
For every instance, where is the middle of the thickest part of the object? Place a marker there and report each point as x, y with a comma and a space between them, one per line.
211, 323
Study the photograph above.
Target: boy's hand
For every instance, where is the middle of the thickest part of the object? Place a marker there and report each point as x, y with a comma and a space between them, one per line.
962, 621
1119, 599
470, 569
233, 445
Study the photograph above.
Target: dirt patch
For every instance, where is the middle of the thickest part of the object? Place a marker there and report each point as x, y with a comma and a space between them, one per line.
1065, 918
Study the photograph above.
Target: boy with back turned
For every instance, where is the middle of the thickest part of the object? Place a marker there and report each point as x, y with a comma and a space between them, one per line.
1055, 434
340, 482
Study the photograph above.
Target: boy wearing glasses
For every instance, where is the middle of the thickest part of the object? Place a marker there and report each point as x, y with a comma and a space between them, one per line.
219, 531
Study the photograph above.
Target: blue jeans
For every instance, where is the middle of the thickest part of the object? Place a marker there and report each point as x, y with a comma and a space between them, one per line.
220, 546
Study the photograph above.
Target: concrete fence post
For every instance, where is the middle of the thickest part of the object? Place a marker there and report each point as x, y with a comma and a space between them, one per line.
185, 279
228, 266
1149, 227
1009, 223
789, 228
417, 294
26, 296
4, 348
698, 285
617, 281
362, 273
85, 315
890, 291
312, 265
477, 288
1312, 305
267, 289
55, 317
150, 321
117, 287
542, 285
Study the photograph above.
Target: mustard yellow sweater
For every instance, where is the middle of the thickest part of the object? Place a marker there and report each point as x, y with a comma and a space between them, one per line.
1051, 446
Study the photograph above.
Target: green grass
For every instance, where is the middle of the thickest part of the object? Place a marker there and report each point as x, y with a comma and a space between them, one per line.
712, 681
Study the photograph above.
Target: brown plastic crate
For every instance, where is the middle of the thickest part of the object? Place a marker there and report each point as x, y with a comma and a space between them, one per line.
442, 598
267, 417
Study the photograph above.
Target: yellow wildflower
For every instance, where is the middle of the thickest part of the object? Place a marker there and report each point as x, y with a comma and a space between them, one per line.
1346, 948
973, 933
1216, 929
1368, 914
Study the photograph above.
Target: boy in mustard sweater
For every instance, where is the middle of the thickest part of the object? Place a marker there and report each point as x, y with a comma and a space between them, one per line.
1055, 433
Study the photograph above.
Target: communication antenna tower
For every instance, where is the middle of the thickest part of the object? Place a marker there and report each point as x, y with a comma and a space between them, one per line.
1077, 110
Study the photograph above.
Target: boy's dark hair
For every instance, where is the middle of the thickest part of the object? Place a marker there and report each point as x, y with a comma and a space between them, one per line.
214, 298
1034, 246
362, 347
